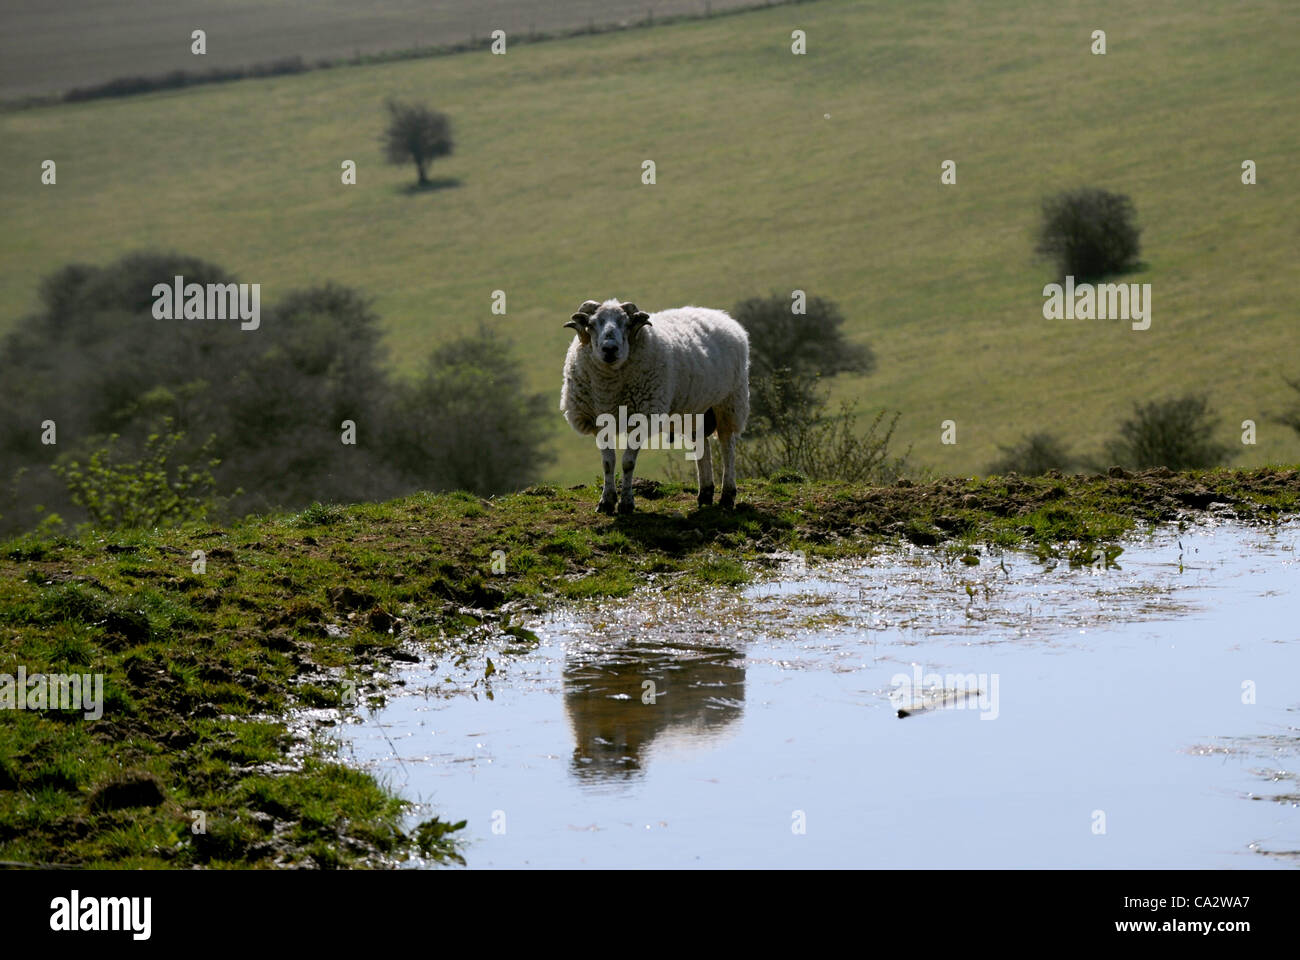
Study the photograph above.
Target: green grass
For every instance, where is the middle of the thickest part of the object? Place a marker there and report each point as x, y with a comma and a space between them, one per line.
775, 172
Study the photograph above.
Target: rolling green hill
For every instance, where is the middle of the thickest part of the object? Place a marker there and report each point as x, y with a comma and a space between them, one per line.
774, 172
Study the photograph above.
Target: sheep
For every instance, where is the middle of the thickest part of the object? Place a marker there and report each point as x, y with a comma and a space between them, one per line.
691, 361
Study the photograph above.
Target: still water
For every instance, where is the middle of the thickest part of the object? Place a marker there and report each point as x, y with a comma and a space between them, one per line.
1141, 713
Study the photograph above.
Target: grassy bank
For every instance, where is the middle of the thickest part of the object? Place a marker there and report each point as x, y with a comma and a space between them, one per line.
774, 172
206, 673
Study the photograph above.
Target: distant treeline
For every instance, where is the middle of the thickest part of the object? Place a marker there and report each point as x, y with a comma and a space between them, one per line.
94, 370
126, 86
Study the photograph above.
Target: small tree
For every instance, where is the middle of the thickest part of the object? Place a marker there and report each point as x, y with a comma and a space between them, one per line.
416, 134
1174, 433
1032, 455
1089, 233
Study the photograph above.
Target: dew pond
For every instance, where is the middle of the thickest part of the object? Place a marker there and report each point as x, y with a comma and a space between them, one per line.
1141, 712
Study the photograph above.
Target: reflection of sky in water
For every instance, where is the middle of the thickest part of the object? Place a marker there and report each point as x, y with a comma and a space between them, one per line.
1118, 691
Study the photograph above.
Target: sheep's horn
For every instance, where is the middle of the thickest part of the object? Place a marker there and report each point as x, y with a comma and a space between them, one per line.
588, 308
629, 308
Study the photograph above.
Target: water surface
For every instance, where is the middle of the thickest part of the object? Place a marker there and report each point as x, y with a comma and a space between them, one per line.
1141, 713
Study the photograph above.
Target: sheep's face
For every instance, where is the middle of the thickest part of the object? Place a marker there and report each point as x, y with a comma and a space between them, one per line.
608, 330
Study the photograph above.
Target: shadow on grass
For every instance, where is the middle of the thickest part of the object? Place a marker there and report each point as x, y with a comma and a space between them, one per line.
430, 186
1109, 276
676, 532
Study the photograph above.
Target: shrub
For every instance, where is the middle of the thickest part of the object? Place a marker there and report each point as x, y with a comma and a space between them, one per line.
1174, 433
824, 447
1034, 454
467, 423
789, 355
279, 415
1089, 233
274, 400
789, 431
1292, 417
153, 490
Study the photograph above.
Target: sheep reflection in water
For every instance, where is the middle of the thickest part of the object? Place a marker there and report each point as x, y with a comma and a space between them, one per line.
697, 692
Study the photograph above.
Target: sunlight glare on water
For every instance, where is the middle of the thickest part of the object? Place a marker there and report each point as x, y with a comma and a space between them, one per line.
1059, 717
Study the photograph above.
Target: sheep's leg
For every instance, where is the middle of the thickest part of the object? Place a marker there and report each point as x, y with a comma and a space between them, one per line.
625, 504
608, 495
704, 472
727, 439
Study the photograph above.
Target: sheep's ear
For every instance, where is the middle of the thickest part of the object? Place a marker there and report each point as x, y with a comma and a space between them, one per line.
639, 319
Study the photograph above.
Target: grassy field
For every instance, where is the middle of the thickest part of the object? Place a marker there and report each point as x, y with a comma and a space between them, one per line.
47, 47
775, 172
205, 671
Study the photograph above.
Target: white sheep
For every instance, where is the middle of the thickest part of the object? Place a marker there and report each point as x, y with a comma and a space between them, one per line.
691, 362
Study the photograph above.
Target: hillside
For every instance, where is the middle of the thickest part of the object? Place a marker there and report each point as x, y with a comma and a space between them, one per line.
42, 52
774, 172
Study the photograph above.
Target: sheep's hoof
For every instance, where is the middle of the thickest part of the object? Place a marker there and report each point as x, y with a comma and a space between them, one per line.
605, 506
728, 500
626, 506
705, 499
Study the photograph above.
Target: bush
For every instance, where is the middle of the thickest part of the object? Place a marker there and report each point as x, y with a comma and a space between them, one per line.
278, 417
1089, 233
1033, 455
790, 354
273, 399
153, 490
1292, 417
1174, 433
824, 447
467, 423
789, 431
